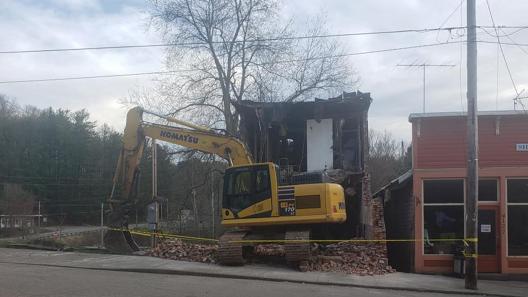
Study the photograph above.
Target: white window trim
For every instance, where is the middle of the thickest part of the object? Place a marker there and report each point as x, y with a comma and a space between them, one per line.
440, 204
507, 217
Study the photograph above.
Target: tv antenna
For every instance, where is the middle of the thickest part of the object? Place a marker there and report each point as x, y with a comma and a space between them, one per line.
424, 66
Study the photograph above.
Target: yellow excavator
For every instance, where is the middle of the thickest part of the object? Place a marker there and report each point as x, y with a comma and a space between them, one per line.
254, 206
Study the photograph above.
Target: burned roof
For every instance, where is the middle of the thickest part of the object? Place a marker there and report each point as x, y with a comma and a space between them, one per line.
342, 106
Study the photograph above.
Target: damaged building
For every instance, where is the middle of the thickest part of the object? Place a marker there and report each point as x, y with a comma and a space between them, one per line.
316, 141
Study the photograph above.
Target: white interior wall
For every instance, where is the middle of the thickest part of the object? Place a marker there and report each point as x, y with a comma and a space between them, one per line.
319, 141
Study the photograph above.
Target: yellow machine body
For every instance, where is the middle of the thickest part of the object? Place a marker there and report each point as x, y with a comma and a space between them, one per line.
259, 201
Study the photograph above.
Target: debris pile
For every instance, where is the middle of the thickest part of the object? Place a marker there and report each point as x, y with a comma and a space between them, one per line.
344, 257
350, 258
269, 250
177, 249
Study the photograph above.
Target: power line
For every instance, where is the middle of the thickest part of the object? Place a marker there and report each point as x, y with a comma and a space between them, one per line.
132, 46
515, 43
504, 43
449, 17
256, 64
461, 53
238, 41
95, 76
502, 51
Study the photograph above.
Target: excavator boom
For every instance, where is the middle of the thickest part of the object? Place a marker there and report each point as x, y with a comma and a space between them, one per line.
127, 171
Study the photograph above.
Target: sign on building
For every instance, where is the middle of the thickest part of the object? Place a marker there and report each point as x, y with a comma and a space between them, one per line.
522, 147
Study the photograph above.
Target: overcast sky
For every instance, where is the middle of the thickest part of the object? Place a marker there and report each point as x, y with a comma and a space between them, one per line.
397, 91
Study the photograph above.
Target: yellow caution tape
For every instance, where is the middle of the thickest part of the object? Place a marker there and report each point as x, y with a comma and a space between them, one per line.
471, 240
166, 235
466, 255
264, 241
349, 240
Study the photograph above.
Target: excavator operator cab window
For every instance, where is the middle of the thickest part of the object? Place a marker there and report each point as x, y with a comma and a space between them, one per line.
262, 182
241, 183
245, 186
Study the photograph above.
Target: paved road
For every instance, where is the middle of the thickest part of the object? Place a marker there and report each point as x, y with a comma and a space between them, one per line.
36, 280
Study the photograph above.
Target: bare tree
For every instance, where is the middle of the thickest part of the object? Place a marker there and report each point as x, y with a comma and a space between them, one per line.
388, 158
226, 51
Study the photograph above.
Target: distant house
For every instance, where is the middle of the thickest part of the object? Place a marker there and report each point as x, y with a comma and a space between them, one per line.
20, 222
427, 203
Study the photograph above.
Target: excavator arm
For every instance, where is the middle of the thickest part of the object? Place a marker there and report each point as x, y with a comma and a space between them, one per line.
118, 238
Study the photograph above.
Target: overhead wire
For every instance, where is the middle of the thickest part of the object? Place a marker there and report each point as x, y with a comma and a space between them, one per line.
517, 44
425, 30
96, 76
449, 17
255, 64
132, 46
502, 51
461, 56
497, 79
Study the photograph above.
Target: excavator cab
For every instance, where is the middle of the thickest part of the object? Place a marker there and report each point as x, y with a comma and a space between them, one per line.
249, 191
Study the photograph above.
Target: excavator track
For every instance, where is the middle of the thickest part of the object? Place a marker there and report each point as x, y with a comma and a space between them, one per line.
229, 252
297, 251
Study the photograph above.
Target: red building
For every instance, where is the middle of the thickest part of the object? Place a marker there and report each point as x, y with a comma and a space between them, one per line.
428, 203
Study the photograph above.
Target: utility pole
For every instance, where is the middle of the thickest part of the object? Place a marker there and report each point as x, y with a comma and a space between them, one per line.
155, 188
161, 213
213, 204
38, 218
102, 225
136, 216
425, 65
471, 215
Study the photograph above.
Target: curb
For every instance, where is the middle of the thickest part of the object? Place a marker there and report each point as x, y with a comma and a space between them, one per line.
270, 279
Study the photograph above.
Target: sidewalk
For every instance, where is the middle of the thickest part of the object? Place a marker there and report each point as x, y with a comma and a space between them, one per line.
395, 281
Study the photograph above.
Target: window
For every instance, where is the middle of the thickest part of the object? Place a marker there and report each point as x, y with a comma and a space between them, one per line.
241, 183
518, 191
443, 215
517, 217
488, 190
245, 186
262, 181
444, 191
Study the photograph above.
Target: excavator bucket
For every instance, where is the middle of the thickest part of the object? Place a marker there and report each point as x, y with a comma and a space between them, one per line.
120, 242
118, 238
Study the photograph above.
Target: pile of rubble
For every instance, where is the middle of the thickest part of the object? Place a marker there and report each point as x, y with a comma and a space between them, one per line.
177, 249
351, 258
344, 257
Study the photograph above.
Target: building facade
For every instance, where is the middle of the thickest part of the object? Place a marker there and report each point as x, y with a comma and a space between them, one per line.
439, 181
436, 186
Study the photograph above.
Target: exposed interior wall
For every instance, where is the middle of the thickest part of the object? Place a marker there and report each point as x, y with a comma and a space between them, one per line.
319, 144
